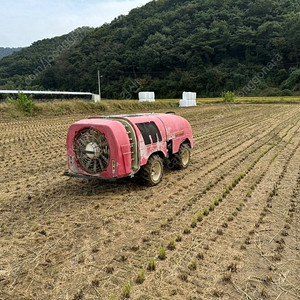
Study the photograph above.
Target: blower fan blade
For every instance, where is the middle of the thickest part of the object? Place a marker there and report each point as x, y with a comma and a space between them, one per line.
92, 150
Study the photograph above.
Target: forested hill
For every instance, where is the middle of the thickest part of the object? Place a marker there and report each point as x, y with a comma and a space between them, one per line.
20, 69
168, 46
7, 51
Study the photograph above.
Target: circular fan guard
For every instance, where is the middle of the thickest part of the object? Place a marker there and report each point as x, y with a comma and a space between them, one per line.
92, 150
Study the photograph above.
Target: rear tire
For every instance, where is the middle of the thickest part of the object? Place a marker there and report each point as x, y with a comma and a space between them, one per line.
151, 174
183, 157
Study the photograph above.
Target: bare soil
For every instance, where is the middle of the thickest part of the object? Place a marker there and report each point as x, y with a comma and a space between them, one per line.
63, 238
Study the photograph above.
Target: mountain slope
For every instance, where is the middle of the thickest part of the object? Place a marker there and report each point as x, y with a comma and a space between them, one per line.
19, 70
7, 51
168, 46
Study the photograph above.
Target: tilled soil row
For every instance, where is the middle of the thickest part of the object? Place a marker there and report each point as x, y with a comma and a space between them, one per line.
205, 245
276, 254
68, 232
124, 260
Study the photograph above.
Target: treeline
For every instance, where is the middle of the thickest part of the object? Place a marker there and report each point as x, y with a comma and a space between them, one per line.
251, 47
21, 69
6, 51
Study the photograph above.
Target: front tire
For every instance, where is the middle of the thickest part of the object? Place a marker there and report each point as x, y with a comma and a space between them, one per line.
152, 173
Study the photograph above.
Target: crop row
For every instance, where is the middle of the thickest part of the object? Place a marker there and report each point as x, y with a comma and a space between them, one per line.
205, 212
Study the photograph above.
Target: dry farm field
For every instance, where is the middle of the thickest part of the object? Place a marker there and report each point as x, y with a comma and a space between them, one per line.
227, 227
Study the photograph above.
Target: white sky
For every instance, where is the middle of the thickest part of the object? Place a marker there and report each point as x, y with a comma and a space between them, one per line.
23, 22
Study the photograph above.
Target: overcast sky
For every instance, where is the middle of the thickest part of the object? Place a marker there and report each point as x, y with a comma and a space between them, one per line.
23, 22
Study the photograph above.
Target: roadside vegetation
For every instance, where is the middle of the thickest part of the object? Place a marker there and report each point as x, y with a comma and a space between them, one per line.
26, 105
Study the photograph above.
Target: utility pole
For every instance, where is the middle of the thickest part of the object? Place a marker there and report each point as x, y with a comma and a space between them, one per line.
99, 84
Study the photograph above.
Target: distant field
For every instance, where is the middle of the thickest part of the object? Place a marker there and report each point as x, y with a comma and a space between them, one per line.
66, 107
253, 99
229, 223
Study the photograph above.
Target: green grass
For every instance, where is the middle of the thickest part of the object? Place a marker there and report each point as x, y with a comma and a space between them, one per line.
23, 103
162, 253
200, 216
126, 290
194, 223
187, 230
206, 212
151, 265
193, 265
171, 245
216, 202
141, 277
179, 238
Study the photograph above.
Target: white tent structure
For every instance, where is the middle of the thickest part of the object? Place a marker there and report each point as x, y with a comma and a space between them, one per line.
45, 93
90, 96
188, 99
146, 96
